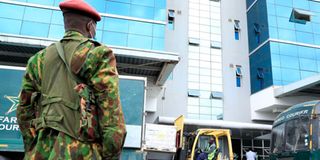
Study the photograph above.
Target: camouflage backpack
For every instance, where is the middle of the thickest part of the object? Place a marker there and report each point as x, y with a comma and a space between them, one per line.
65, 103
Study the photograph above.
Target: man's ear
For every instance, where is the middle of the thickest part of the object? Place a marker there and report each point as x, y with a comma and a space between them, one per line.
88, 26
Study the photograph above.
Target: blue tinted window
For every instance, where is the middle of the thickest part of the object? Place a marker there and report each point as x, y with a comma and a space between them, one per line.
316, 28
305, 37
317, 39
136, 41
118, 8
43, 2
306, 74
99, 35
271, 9
56, 31
283, 11
284, 2
272, 21
317, 54
160, 14
277, 83
158, 30
315, 19
289, 62
37, 15
10, 26
314, 6
275, 60
276, 73
306, 52
118, 25
149, 3
273, 32
287, 34
160, 4
142, 12
141, 28
302, 4
11, 11
112, 38
308, 64
290, 75
304, 27
57, 17
99, 5
285, 23
35, 29
158, 44
287, 49
274, 47
125, 1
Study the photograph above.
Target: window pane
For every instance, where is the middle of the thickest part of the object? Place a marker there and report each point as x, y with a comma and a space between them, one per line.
149, 3
136, 41
289, 62
285, 23
10, 26
287, 49
112, 38
37, 15
302, 4
57, 17
100, 23
43, 2
100, 6
276, 73
159, 14
193, 109
287, 34
142, 12
56, 31
35, 29
193, 116
158, 30
306, 74
205, 102
308, 64
160, 4
217, 111
118, 25
118, 8
205, 110
216, 103
193, 101
141, 28
158, 44
205, 117
306, 52
11, 11
304, 27
275, 60
290, 75
283, 11
305, 37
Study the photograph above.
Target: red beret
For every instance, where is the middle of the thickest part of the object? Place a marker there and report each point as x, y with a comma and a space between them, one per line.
80, 6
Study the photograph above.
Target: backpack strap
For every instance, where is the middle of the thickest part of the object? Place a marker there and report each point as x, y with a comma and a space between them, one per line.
63, 58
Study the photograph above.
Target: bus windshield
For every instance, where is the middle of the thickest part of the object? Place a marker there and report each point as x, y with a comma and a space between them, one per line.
291, 135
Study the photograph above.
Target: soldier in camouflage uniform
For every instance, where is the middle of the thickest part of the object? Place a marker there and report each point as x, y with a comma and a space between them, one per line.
69, 103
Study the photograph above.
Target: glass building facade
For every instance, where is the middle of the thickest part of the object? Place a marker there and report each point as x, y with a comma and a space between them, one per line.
284, 41
204, 61
126, 23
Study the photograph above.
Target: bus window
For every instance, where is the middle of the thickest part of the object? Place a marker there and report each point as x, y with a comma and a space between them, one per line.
277, 138
297, 131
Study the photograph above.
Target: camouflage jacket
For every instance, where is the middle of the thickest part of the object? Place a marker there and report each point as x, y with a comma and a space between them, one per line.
97, 66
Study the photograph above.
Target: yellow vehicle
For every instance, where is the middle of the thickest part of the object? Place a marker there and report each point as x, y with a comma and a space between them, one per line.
190, 145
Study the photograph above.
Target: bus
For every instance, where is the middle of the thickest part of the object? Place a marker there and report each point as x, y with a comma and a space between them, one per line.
295, 133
